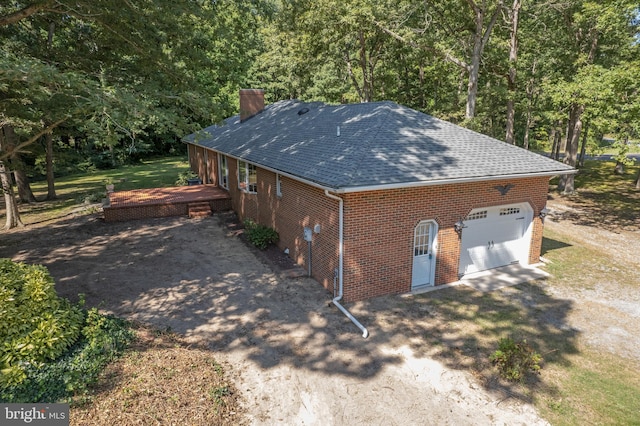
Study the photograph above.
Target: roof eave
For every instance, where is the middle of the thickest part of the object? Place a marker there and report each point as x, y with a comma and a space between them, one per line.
382, 187
417, 184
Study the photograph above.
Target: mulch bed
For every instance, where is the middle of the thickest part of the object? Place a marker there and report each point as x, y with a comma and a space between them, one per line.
279, 261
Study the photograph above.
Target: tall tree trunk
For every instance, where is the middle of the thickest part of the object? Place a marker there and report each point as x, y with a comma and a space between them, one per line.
531, 91
638, 179
22, 182
13, 216
527, 129
474, 72
554, 141
480, 39
583, 147
619, 169
12, 213
461, 81
557, 138
366, 68
423, 102
352, 77
51, 189
566, 185
511, 77
16, 163
558, 142
568, 131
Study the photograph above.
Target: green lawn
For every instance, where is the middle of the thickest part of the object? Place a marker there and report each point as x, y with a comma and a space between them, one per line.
588, 385
76, 191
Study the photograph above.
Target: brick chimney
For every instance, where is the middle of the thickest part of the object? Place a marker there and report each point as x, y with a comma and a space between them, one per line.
251, 103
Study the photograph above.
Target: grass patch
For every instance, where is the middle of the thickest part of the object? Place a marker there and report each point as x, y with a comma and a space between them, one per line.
80, 192
160, 380
575, 260
610, 199
597, 389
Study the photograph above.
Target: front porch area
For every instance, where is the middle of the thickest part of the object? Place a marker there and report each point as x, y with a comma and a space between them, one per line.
194, 201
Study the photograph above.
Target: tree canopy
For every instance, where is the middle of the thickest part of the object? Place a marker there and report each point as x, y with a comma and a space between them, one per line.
127, 77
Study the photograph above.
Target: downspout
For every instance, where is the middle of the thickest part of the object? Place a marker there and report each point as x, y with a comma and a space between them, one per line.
336, 300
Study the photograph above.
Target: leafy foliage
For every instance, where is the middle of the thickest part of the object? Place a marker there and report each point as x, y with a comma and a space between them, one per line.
51, 349
35, 324
184, 177
515, 359
259, 235
103, 339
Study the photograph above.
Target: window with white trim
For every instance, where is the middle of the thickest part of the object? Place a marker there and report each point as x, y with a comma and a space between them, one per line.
223, 171
278, 185
247, 177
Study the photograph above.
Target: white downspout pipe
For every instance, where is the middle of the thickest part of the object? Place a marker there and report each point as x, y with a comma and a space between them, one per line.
336, 300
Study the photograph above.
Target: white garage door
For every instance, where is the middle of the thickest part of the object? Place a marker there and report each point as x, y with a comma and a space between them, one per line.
495, 236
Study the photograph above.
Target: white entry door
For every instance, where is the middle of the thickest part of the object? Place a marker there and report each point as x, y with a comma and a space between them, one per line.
424, 254
494, 237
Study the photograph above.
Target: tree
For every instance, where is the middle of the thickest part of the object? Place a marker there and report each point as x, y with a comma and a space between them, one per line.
439, 28
514, 18
13, 217
117, 72
600, 36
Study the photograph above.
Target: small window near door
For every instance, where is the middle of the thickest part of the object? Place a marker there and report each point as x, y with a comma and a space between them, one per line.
422, 239
278, 185
223, 171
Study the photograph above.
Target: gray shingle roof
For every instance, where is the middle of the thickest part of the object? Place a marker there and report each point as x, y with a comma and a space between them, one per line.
379, 143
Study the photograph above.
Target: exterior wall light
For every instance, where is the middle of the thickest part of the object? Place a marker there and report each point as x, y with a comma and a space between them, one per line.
543, 213
459, 226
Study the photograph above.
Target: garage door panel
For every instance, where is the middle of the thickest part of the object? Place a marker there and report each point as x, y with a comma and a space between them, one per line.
493, 237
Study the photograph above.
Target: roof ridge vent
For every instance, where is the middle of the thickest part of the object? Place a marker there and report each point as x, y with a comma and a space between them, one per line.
303, 111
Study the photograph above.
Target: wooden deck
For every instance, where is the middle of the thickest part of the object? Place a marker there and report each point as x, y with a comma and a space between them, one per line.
196, 200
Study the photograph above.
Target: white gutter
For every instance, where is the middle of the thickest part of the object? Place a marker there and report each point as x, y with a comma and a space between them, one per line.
336, 300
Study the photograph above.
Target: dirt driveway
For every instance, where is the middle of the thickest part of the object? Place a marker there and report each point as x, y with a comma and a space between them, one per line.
295, 358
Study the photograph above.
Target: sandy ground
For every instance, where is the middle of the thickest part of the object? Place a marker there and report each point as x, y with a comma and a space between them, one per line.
295, 358
606, 312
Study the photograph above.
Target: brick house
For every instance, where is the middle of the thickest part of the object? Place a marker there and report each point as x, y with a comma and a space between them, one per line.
376, 197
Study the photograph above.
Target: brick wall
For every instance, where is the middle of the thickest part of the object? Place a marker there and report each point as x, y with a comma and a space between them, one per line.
379, 226
117, 214
125, 213
300, 205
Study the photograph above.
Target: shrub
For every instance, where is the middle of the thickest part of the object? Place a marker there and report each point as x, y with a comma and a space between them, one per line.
35, 324
259, 235
184, 177
103, 339
50, 348
515, 359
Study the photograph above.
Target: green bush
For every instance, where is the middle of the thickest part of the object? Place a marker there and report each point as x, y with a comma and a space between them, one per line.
259, 235
184, 177
35, 324
50, 348
515, 359
103, 339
